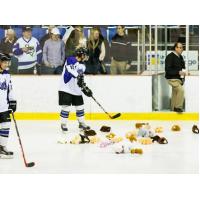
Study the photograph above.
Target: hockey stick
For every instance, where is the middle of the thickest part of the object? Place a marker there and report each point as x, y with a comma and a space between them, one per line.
111, 117
31, 164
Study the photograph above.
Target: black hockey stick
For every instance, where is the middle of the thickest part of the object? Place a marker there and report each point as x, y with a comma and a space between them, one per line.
31, 164
111, 117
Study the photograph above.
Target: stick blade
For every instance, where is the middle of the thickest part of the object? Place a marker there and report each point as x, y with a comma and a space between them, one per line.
30, 164
116, 116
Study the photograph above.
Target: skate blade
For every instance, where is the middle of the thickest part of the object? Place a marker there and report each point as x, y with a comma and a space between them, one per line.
6, 156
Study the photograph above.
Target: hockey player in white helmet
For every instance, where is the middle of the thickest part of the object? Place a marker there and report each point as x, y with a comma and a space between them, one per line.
7, 104
71, 87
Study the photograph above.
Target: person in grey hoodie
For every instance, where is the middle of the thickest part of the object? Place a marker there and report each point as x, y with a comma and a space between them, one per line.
53, 54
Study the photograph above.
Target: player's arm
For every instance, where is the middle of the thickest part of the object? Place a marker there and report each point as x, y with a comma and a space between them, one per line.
17, 50
11, 101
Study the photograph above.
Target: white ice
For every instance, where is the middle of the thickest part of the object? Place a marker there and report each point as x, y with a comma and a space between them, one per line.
40, 138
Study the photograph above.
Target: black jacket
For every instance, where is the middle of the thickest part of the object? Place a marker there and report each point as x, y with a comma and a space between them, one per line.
173, 64
121, 48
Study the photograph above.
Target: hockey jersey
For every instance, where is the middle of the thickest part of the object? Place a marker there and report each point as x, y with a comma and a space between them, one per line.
28, 59
6, 91
71, 70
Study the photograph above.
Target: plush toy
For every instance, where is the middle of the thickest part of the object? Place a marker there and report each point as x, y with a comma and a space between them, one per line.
139, 125
159, 129
137, 151
176, 128
195, 129
145, 131
89, 132
80, 139
94, 139
121, 149
117, 139
160, 140
131, 136
145, 140
110, 136
76, 140
105, 144
105, 129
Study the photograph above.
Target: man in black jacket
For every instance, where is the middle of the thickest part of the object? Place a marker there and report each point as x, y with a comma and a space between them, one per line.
175, 73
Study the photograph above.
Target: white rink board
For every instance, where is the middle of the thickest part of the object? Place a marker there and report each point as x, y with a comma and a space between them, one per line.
115, 93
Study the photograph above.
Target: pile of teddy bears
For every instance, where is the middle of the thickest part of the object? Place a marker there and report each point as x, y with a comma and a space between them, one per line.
142, 134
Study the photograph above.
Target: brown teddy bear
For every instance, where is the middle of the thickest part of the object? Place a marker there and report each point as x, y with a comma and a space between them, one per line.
176, 128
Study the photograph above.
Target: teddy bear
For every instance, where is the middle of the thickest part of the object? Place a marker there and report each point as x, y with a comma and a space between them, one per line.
94, 139
145, 131
145, 140
176, 128
110, 136
131, 136
159, 129
136, 151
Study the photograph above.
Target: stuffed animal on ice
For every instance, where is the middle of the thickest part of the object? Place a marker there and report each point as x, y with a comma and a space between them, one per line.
145, 131
136, 151
159, 129
122, 149
139, 125
145, 140
176, 128
117, 139
94, 139
110, 136
131, 136
76, 139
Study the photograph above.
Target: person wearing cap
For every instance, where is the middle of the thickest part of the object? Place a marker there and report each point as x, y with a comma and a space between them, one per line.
53, 54
7, 104
27, 50
6, 46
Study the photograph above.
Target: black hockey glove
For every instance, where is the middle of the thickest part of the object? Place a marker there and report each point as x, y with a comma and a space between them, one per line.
80, 81
87, 91
12, 105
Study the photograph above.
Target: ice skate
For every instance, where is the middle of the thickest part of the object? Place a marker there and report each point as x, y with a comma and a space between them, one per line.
5, 154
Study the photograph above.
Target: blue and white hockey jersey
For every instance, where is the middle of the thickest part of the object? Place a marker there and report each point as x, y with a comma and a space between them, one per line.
71, 70
28, 59
6, 91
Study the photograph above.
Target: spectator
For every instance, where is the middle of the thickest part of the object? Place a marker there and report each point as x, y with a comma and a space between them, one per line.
6, 46
27, 50
53, 54
96, 49
120, 52
47, 36
175, 73
75, 40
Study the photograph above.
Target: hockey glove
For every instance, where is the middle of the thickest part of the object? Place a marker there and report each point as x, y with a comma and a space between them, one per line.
80, 81
12, 105
87, 91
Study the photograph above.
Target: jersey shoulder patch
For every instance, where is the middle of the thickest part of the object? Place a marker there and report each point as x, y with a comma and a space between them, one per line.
71, 60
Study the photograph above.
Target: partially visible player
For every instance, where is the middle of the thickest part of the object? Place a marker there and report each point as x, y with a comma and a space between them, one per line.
71, 87
7, 103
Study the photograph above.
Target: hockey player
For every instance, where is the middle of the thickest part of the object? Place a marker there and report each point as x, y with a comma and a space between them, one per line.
7, 103
71, 87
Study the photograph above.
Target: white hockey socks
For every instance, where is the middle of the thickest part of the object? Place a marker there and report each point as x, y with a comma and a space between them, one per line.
80, 113
4, 133
64, 114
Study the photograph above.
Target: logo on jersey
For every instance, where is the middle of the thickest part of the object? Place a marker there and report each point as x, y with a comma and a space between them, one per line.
3, 85
31, 49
